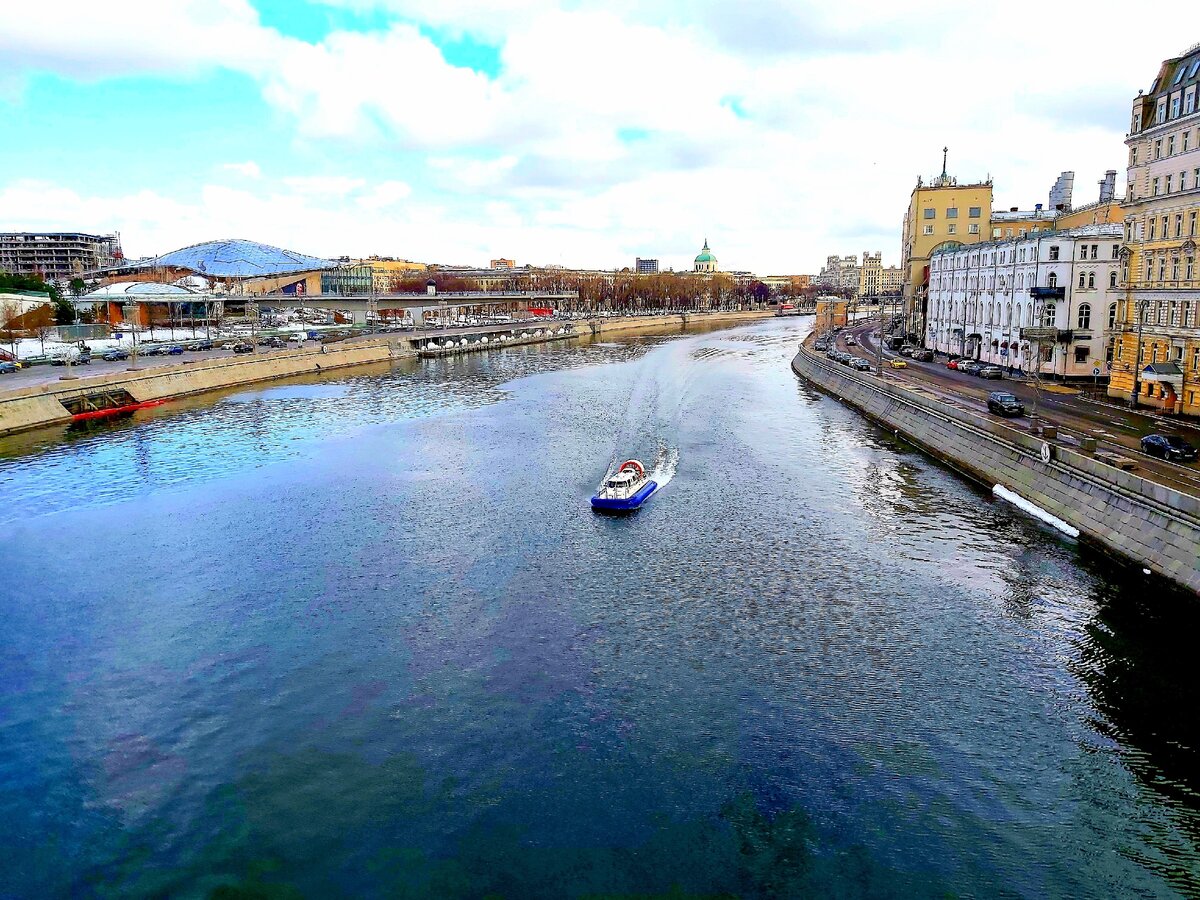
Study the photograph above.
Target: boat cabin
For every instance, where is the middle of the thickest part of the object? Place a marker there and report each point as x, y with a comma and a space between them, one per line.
622, 485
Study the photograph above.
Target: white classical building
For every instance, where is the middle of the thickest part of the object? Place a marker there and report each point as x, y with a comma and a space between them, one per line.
1050, 296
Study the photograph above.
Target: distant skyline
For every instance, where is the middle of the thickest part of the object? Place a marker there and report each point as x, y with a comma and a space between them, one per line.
579, 133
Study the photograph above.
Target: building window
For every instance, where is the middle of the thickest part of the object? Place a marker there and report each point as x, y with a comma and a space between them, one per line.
1179, 225
1112, 315
1085, 316
951, 228
1133, 157
973, 228
1175, 107
995, 232
1052, 281
1189, 101
1154, 187
1116, 251
975, 212
1083, 251
952, 212
930, 214
1158, 149
928, 229
1091, 281
1160, 114
1048, 315
1164, 227
1170, 180
1189, 262
1153, 227
1192, 223
1184, 141
1082, 279
1095, 250
1081, 354
1112, 280
1175, 268
1162, 268
1053, 254
1174, 314
1171, 145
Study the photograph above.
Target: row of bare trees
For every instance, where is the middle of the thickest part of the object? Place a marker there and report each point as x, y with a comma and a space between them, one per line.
620, 291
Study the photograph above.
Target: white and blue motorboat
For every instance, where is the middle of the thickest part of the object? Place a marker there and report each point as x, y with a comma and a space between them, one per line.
625, 490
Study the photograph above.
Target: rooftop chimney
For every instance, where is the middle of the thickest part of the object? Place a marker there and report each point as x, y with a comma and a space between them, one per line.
1060, 194
1108, 187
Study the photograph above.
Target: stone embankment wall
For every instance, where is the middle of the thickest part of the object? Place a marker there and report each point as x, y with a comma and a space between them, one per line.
40, 405
1148, 523
625, 324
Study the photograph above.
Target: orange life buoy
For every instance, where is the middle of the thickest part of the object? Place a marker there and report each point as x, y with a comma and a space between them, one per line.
633, 464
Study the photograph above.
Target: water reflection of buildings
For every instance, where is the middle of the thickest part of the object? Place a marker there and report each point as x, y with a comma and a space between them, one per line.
1137, 659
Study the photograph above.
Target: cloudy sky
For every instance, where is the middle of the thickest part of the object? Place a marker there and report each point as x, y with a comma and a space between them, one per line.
578, 132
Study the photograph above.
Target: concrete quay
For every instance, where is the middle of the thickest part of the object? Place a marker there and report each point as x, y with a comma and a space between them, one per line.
1149, 524
42, 402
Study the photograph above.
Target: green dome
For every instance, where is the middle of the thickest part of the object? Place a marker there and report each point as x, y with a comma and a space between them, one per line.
706, 254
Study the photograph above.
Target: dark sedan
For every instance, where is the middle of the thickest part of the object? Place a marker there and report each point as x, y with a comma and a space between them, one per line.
1168, 446
1002, 403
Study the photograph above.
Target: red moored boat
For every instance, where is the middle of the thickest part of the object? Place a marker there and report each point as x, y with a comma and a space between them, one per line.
116, 410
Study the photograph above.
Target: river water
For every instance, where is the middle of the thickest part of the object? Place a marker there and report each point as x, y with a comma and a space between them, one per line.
360, 634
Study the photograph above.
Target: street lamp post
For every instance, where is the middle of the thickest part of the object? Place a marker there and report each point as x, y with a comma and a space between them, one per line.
1137, 354
130, 312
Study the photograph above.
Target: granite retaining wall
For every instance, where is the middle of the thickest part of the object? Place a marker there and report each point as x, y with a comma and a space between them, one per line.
42, 404
1148, 523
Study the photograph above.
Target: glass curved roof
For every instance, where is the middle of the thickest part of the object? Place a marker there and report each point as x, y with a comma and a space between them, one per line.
126, 288
238, 259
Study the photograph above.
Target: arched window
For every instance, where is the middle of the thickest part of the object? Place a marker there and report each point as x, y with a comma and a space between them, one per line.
1048, 315
1053, 280
1091, 280
1085, 315
1082, 279
1112, 279
1112, 315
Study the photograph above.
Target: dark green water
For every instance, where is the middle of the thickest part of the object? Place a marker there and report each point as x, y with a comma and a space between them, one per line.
362, 636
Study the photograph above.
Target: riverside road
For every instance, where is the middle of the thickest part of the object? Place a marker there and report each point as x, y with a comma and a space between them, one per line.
1076, 414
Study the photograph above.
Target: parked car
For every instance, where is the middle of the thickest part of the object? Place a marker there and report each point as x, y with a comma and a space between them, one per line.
201, 345
861, 364
7, 367
1168, 446
991, 372
923, 355
897, 364
113, 354
907, 350
1002, 403
969, 366
74, 357
276, 343
174, 350
154, 350
952, 364
243, 347
851, 342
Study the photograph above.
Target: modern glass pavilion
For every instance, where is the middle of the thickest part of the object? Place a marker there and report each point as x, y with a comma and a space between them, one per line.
237, 259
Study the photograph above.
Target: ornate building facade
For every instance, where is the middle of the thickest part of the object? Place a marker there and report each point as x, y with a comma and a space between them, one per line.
1158, 358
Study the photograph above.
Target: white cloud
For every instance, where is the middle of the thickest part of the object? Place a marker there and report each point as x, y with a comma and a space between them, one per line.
250, 169
784, 130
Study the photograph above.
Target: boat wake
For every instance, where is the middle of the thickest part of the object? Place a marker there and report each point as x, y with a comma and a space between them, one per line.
665, 464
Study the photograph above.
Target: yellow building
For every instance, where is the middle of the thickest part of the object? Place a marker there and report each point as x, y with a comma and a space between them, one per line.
942, 213
1108, 212
1161, 309
875, 279
385, 271
832, 312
